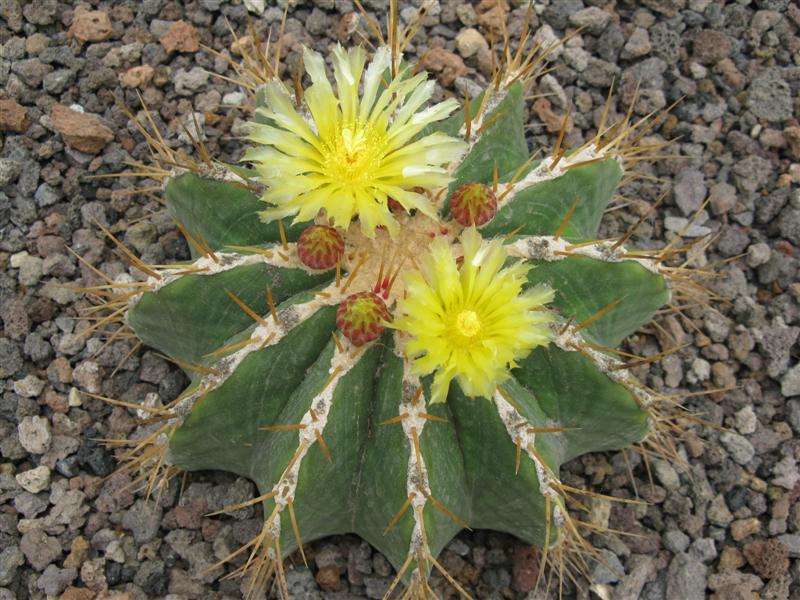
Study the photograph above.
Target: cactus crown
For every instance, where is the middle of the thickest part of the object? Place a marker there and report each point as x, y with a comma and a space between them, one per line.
400, 373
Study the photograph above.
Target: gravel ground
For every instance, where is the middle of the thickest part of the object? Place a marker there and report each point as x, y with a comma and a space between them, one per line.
726, 527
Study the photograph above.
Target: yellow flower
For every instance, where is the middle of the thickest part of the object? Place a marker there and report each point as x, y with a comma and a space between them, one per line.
348, 155
472, 323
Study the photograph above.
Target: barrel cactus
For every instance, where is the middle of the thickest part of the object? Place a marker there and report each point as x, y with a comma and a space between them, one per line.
398, 321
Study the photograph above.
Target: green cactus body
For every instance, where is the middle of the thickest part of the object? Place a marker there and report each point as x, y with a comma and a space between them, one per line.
340, 438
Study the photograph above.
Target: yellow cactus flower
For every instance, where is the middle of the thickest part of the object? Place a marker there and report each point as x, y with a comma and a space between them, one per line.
348, 155
474, 322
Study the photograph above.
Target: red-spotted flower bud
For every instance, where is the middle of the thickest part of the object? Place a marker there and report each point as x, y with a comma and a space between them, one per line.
473, 204
320, 247
361, 317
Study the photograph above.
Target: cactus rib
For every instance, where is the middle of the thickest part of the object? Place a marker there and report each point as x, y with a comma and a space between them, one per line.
268, 331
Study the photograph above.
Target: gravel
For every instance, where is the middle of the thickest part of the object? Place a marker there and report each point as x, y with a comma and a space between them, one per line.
725, 520
686, 578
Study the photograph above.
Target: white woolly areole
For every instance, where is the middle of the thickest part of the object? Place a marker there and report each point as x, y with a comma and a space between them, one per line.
413, 422
517, 427
543, 172
280, 257
315, 419
547, 248
216, 172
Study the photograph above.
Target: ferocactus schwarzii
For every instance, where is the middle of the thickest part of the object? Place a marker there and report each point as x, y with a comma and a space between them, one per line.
398, 322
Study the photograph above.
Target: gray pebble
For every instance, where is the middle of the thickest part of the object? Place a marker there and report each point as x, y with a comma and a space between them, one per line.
47, 195
666, 42
189, 82
466, 14
740, 448
790, 386
640, 569
600, 73
40, 549
317, 22
30, 505
143, 519
678, 224
34, 434
58, 81
577, 58
300, 583
703, 549
608, 569
29, 387
666, 474
758, 254
789, 224
10, 358
752, 172
690, 190
11, 558
9, 170
31, 70
594, 19
141, 235
686, 578
610, 43
792, 543
54, 580
557, 13
746, 421
159, 27
151, 578
30, 268
676, 541
37, 348
732, 241
776, 343
769, 97
638, 44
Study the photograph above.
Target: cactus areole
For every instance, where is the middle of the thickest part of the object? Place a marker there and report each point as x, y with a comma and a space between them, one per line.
397, 323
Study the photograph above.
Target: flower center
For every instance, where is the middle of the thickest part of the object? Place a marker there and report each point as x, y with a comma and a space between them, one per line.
353, 153
468, 324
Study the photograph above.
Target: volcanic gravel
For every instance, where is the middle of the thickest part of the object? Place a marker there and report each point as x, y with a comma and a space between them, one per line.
725, 524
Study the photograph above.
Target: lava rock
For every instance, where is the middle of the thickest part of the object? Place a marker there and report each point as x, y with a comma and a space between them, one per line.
13, 116
711, 46
83, 132
181, 37
90, 26
769, 558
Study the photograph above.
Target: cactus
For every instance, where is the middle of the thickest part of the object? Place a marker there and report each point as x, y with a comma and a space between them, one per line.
427, 341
